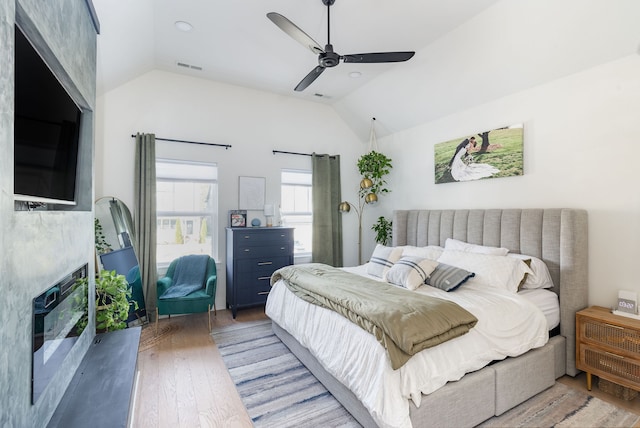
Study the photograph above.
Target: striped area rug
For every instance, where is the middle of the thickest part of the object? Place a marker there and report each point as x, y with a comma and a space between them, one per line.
278, 391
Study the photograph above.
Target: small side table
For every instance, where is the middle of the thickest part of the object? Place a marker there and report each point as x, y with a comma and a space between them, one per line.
608, 346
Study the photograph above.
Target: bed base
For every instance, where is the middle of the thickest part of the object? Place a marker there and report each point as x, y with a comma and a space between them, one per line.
468, 402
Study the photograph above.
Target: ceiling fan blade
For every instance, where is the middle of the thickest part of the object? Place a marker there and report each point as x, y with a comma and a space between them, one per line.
378, 57
309, 78
295, 32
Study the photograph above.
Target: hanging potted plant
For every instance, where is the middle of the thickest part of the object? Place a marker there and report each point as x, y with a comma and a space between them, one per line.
373, 166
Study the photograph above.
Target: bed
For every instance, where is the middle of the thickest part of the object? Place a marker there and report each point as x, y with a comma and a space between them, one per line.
556, 236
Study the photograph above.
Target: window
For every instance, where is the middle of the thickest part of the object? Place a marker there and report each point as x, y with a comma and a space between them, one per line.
187, 209
296, 208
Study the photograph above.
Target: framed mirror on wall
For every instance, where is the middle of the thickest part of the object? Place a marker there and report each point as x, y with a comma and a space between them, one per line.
114, 238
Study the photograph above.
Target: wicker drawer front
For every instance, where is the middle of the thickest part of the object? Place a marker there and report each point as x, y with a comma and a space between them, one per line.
626, 369
612, 336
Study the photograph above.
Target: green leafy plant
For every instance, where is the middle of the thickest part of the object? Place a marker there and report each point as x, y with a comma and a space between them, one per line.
374, 166
113, 300
383, 229
102, 246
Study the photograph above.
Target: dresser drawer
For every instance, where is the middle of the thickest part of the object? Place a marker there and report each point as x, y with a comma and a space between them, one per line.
251, 296
262, 265
263, 237
266, 251
617, 338
616, 367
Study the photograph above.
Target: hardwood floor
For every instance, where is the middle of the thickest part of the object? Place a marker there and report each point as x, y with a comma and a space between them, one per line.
184, 383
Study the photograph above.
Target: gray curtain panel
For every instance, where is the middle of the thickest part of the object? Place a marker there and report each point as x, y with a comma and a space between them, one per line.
327, 220
145, 216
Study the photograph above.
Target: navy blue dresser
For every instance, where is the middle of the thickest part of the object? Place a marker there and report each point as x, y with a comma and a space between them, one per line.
253, 254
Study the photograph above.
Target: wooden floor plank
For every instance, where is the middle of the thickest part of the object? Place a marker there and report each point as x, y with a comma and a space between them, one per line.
184, 383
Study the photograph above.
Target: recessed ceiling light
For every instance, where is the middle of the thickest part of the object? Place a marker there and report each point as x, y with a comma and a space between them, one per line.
355, 74
183, 26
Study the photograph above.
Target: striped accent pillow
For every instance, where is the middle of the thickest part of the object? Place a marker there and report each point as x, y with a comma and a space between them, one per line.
411, 272
382, 259
448, 278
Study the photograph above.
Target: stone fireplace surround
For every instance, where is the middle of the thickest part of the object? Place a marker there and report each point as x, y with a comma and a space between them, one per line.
37, 248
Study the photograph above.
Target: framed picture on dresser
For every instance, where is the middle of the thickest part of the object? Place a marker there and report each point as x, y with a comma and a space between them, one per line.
238, 218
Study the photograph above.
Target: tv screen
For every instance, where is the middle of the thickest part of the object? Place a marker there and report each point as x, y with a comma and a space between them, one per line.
46, 130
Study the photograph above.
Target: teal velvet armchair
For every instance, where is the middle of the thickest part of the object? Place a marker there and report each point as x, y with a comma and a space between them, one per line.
201, 300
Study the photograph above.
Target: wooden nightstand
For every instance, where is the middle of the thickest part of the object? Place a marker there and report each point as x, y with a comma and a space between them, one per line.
608, 346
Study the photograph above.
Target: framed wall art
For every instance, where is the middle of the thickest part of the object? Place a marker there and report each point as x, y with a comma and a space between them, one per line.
238, 218
488, 154
251, 193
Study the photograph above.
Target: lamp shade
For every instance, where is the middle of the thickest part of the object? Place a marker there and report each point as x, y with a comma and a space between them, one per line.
344, 207
371, 198
269, 210
366, 183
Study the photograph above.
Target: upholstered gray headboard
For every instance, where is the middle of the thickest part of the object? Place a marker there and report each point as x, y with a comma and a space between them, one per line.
557, 236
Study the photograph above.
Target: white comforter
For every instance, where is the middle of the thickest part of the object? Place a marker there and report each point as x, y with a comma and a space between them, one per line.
508, 325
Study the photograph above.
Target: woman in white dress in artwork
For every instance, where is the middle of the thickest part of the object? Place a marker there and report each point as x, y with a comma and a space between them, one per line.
460, 171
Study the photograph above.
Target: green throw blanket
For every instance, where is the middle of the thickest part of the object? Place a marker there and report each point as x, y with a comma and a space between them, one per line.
403, 322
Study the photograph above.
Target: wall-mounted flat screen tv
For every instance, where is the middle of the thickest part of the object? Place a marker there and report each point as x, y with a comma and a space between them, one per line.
46, 131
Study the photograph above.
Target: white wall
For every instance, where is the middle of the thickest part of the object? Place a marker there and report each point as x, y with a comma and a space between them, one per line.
579, 152
253, 122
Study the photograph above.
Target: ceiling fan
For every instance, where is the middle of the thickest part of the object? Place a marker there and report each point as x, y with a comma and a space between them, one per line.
327, 57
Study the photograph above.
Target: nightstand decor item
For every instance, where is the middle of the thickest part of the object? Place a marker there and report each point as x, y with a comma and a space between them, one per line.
627, 304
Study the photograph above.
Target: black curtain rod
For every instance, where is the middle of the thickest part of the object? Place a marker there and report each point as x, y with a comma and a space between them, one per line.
275, 152
226, 146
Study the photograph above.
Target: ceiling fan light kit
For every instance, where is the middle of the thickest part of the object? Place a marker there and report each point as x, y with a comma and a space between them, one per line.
327, 57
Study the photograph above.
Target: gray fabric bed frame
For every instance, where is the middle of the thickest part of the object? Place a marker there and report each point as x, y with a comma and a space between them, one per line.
557, 236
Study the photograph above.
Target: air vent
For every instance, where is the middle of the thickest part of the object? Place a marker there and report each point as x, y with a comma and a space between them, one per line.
190, 66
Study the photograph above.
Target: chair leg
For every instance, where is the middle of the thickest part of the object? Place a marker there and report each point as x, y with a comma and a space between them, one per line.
209, 316
157, 316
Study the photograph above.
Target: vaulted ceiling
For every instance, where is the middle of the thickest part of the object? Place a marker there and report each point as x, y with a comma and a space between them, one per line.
467, 51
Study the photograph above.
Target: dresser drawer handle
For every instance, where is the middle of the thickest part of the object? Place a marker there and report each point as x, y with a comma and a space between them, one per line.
614, 355
247, 236
264, 263
246, 250
614, 326
263, 293
262, 278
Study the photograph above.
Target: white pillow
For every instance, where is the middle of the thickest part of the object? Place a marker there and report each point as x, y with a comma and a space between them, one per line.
411, 272
454, 244
431, 252
540, 276
492, 271
382, 259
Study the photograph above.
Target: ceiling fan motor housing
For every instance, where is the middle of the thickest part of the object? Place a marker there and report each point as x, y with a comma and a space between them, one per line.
328, 58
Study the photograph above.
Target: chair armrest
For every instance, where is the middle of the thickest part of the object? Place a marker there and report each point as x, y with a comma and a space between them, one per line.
163, 284
211, 284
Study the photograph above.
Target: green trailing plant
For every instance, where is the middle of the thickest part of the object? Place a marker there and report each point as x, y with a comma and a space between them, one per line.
383, 229
102, 246
113, 300
374, 166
